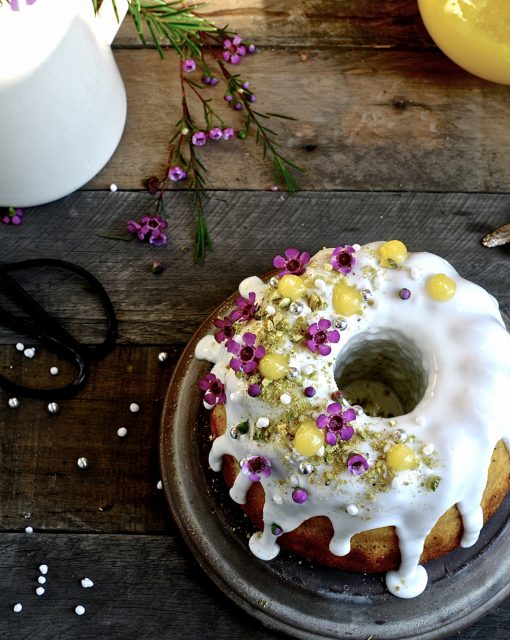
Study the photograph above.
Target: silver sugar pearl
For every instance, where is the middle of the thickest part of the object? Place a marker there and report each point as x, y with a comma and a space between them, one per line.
162, 356
83, 463
13, 403
399, 435
296, 308
359, 410
341, 324
53, 407
234, 433
292, 373
273, 282
306, 468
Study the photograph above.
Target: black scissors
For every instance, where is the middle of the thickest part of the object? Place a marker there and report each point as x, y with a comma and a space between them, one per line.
39, 324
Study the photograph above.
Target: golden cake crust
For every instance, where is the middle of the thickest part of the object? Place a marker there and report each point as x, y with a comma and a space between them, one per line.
377, 549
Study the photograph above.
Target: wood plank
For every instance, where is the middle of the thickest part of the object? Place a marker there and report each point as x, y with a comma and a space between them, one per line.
145, 588
305, 23
248, 229
367, 119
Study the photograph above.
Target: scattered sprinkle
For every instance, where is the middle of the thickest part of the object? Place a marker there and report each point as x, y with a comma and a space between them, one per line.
134, 408
41, 580
428, 449
393, 423
86, 583
20, 346
121, 432
310, 392
53, 407
162, 356
320, 284
404, 294
43, 568
29, 530
113, 187
17, 607
270, 310
416, 273
277, 498
262, 423
29, 352
54, 371
13, 403
285, 398
308, 369
79, 610
40, 591
159, 485
83, 463
352, 510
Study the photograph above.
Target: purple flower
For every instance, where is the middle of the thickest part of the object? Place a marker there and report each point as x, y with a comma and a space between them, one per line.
256, 467
226, 329
228, 133
238, 106
189, 65
199, 138
216, 133
254, 390
251, 48
206, 79
13, 216
233, 50
318, 337
214, 81
150, 227
300, 495
214, 389
342, 258
293, 262
253, 98
177, 173
227, 97
337, 423
357, 464
248, 355
246, 308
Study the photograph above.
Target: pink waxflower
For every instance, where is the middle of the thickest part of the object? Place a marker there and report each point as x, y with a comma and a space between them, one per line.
216, 133
233, 50
213, 388
294, 262
357, 464
247, 354
199, 138
319, 336
342, 259
256, 467
15, 4
150, 228
177, 174
189, 65
337, 423
228, 133
246, 308
13, 216
226, 329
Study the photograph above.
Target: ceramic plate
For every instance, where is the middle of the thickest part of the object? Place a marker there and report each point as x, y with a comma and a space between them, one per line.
291, 595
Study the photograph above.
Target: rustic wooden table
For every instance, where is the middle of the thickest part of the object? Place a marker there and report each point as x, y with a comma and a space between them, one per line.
394, 140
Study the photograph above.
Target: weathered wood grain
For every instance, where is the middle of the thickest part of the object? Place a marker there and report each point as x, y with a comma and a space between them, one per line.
304, 23
367, 119
145, 588
248, 230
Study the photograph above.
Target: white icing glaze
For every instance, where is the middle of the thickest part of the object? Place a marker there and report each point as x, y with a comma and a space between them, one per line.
461, 349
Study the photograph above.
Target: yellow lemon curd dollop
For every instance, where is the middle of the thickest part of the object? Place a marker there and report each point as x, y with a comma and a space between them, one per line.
291, 286
392, 254
441, 287
274, 366
347, 300
401, 457
473, 33
308, 439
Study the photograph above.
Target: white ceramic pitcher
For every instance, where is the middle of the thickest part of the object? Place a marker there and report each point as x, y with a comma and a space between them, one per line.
62, 100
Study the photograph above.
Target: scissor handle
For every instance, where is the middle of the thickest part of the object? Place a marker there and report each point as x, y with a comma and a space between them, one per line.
50, 332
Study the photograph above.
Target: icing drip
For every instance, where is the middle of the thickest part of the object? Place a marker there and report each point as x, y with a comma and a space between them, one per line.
447, 364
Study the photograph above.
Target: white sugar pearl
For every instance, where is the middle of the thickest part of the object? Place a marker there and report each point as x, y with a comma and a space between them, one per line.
43, 568
352, 510
134, 408
420, 420
416, 273
79, 610
277, 499
30, 352
159, 485
40, 591
308, 369
285, 398
54, 371
121, 432
86, 583
17, 607
20, 346
29, 530
113, 187
320, 284
428, 449
270, 310
41, 580
262, 423
356, 247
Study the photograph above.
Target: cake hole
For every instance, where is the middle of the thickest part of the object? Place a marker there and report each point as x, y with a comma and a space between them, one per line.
383, 372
